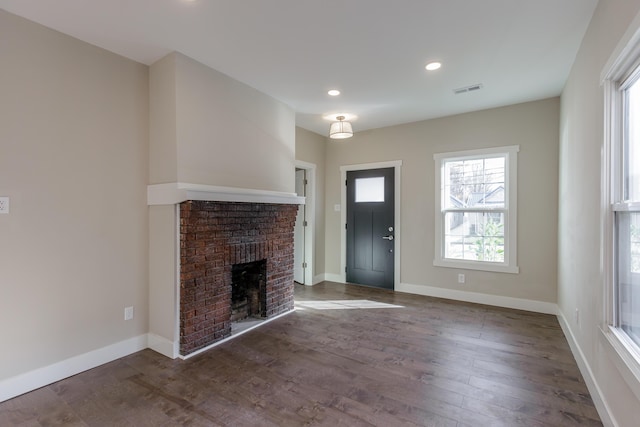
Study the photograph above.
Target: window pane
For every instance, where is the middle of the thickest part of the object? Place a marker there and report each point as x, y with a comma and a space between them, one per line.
474, 236
628, 230
632, 145
370, 189
474, 183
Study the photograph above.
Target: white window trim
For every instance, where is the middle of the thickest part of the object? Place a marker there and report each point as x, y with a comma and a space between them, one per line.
621, 349
511, 217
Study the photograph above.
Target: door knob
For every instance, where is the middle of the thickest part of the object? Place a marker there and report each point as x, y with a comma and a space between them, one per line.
389, 237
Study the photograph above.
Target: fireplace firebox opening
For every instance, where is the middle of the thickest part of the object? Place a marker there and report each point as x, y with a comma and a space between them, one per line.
248, 290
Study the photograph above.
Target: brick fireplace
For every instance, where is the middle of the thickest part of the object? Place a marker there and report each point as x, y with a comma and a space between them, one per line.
217, 238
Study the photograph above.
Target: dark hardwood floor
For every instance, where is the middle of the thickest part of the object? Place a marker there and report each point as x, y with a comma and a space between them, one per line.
432, 362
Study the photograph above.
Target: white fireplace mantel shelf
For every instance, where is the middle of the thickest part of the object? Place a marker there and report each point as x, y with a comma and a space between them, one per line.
178, 192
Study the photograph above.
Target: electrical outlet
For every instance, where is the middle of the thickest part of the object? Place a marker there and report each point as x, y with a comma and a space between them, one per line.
4, 205
128, 313
576, 316
461, 278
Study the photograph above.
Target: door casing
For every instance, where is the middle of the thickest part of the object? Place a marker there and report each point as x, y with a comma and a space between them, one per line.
309, 230
299, 238
397, 165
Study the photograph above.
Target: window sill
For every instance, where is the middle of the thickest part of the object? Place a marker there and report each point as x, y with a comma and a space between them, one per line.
624, 356
475, 265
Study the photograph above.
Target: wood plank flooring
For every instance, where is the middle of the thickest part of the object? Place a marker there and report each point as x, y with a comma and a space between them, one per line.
431, 362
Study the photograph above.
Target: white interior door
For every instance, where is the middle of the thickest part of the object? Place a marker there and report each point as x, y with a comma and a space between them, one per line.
298, 232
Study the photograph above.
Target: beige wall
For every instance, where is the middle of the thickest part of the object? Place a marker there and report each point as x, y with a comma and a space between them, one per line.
73, 160
163, 150
580, 279
311, 148
224, 133
533, 126
163, 279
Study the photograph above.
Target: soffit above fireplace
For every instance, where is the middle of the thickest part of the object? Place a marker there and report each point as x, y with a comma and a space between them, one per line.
178, 192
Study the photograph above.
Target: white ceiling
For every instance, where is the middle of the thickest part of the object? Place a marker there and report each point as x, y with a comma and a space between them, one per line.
374, 51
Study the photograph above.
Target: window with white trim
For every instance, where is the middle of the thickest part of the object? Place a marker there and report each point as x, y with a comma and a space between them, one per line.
476, 209
623, 229
620, 230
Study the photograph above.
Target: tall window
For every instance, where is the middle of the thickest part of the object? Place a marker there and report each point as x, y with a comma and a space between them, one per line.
620, 230
626, 209
475, 216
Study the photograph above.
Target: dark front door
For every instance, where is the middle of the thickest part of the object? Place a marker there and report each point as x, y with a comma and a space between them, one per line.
370, 227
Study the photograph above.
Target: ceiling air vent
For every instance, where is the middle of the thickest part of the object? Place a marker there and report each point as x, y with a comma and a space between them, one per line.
466, 89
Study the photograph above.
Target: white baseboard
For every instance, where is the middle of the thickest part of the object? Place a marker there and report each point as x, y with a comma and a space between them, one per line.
587, 373
338, 278
163, 346
475, 297
23, 383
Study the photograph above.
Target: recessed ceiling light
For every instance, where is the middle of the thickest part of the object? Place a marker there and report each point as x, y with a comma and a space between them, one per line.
433, 66
334, 92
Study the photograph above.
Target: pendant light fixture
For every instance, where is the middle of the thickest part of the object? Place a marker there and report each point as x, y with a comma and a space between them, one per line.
340, 129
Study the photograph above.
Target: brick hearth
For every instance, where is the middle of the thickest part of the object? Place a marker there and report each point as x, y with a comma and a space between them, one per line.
213, 237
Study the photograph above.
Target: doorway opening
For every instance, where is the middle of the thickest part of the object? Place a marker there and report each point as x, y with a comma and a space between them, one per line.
304, 235
299, 262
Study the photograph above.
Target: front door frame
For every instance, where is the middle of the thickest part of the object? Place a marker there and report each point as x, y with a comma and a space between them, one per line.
397, 166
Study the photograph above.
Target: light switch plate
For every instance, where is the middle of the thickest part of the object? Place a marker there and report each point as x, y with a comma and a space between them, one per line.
4, 205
